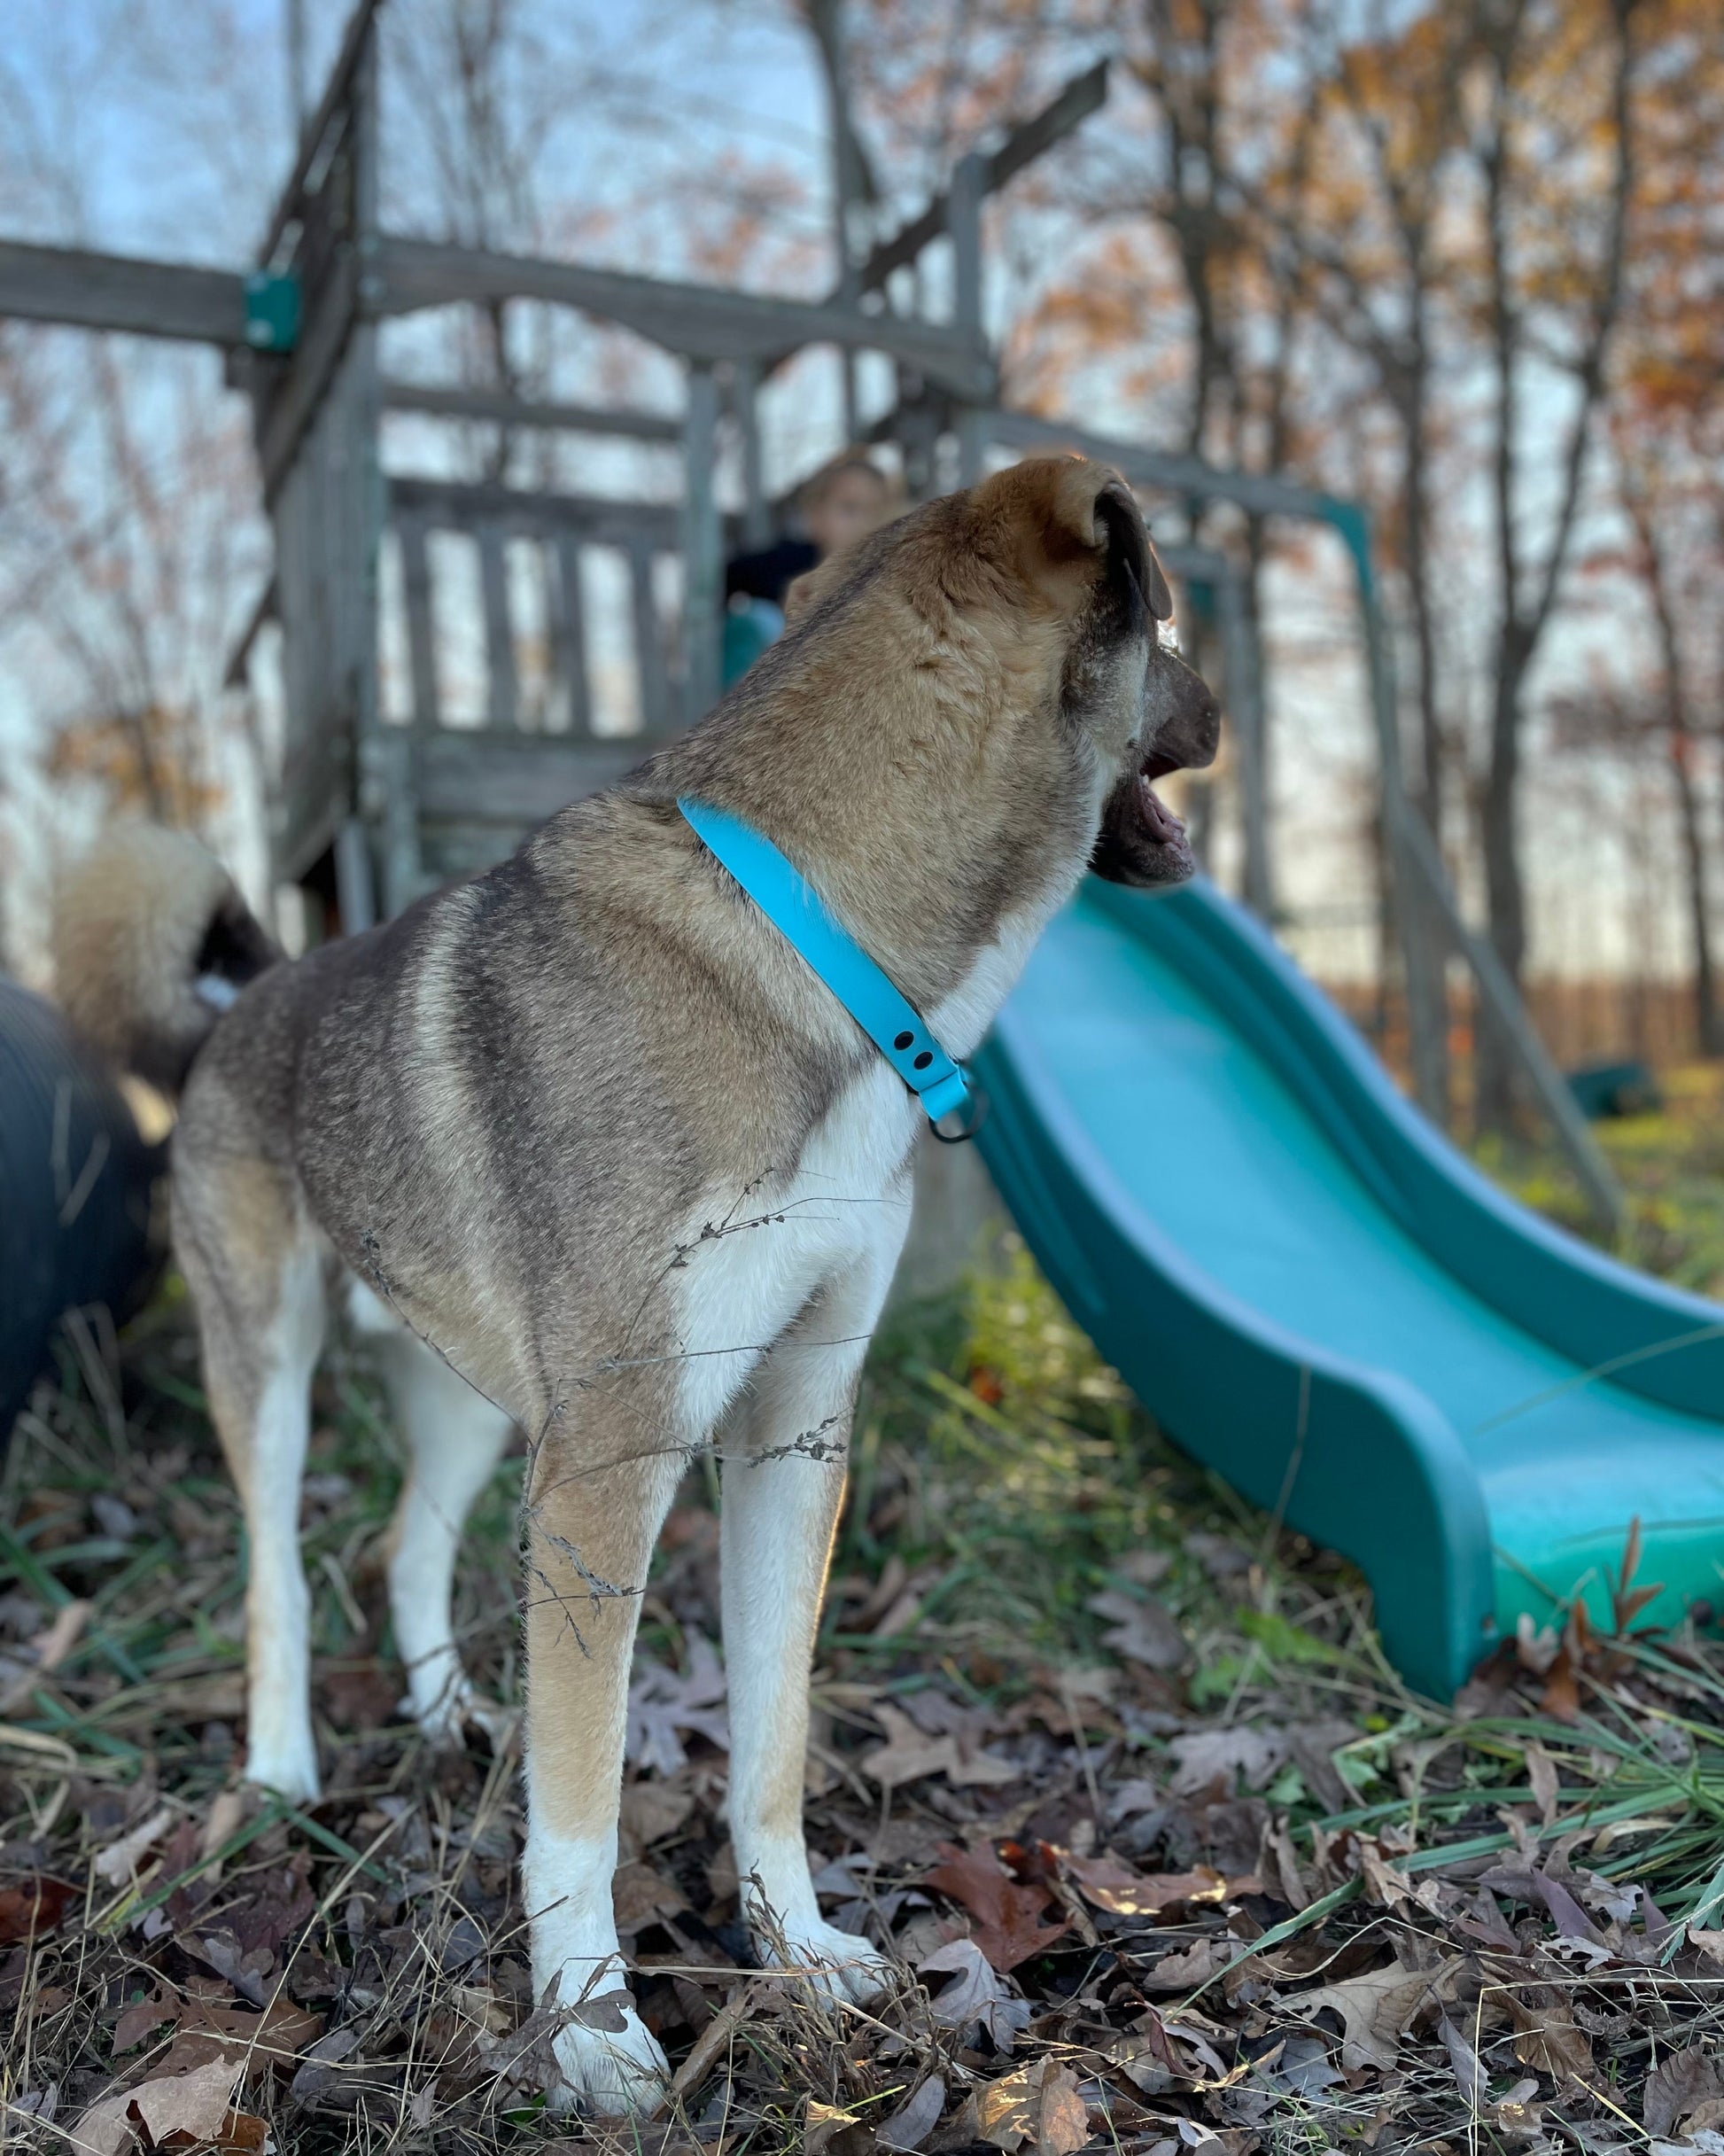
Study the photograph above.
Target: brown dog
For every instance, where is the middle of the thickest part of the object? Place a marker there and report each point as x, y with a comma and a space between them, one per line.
614, 1164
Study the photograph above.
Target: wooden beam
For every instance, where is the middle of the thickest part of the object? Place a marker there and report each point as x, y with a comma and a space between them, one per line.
1074, 104
122, 292
294, 404
497, 405
311, 136
455, 505
701, 321
471, 774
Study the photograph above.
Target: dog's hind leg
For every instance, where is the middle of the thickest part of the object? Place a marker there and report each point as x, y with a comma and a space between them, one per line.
784, 1452
601, 1484
256, 1274
455, 1437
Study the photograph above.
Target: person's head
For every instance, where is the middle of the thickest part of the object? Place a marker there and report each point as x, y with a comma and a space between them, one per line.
845, 500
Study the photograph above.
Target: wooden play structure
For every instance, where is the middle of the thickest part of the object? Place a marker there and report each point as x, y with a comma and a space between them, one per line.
368, 811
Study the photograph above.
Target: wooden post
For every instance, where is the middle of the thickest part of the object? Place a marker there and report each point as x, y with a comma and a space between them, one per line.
421, 633
648, 640
703, 547
1424, 896
572, 631
969, 185
1244, 707
757, 513
503, 706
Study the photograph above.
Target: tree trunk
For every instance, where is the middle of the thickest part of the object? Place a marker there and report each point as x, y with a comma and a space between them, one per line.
1504, 889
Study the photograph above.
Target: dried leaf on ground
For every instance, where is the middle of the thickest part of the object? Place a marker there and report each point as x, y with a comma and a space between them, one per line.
196, 2104
1115, 1886
1141, 1631
1008, 1926
666, 1705
118, 1863
909, 2127
1205, 1755
910, 1756
977, 1998
1375, 2007
1038, 2108
1677, 2087
36, 1907
1549, 2041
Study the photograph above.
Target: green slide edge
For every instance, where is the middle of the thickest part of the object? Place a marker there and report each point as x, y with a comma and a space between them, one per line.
1355, 1455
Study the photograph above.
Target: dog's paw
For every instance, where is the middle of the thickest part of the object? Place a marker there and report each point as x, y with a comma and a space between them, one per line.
446, 1718
610, 2072
838, 1963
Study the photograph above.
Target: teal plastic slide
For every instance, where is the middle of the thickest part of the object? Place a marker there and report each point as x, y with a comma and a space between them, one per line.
1316, 1296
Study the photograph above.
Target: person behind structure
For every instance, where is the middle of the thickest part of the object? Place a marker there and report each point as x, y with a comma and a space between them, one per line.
840, 503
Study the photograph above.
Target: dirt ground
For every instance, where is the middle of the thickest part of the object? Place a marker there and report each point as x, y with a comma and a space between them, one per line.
1165, 1858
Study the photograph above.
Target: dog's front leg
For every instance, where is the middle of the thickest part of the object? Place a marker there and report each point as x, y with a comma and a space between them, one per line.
784, 1459
595, 1502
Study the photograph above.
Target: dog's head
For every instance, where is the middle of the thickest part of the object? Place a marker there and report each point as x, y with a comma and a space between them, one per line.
1048, 569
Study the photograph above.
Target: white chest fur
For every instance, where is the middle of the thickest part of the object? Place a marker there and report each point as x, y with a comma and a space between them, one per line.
755, 1256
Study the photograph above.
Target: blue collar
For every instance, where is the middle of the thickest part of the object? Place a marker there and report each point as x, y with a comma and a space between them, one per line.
796, 910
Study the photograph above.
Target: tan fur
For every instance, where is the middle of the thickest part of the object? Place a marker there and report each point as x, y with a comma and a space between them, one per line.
128, 923
590, 1128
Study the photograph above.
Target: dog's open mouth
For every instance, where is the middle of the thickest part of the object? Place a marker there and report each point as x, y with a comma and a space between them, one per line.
1141, 840
1162, 827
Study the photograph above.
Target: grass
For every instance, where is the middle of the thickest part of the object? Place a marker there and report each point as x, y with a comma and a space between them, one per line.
1672, 1169
1016, 1521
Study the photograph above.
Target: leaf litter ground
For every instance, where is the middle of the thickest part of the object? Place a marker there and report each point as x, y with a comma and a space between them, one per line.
1165, 1858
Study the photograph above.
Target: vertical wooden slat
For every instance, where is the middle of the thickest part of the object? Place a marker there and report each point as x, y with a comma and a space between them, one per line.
964, 199
703, 547
499, 638
420, 634
571, 629
756, 514
648, 641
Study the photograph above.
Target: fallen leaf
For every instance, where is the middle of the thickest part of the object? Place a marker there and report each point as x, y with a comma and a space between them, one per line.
908, 1756
1678, 2086
1141, 1631
828, 2129
1038, 2107
1202, 1756
1375, 2007
1107, 1883
1549, 2041
1464, 2063
207, 2032
117, 1865
1541, 1779
1008, 1926
641, 1894
229, 1811
36, 1907
909, 2127
654, 1810
194, 2105
46, 1652
136, 2020
977, 1998
666, 1705
1204, 1958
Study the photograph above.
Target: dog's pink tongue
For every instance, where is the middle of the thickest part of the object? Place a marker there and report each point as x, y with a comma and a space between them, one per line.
1164, 826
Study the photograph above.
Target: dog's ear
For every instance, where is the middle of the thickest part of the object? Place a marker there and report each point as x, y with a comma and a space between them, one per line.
1063, 516
805, 592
